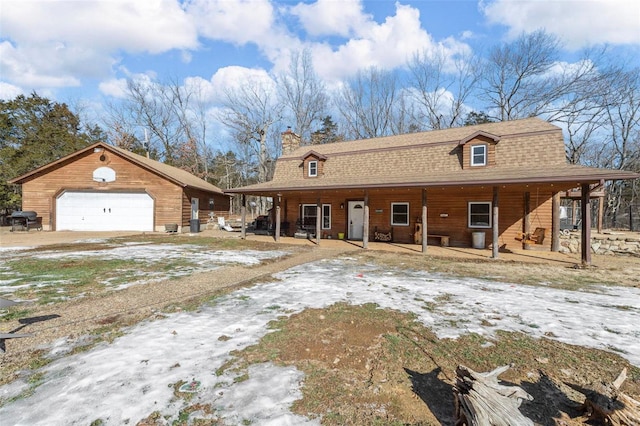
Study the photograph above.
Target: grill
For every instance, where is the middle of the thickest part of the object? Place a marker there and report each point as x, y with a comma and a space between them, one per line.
25, 220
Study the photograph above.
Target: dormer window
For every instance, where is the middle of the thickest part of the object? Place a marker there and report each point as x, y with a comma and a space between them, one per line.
479, 155
313, 164
313, 168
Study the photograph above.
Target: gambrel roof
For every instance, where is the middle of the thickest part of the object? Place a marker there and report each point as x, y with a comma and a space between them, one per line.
526, 151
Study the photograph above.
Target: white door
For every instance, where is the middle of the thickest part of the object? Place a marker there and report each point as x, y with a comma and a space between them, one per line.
356, 220
104, 211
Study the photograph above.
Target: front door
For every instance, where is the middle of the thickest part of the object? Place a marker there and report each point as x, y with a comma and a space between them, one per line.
355, 229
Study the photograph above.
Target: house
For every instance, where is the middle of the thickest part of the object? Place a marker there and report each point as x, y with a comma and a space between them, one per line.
106, 188
492, 185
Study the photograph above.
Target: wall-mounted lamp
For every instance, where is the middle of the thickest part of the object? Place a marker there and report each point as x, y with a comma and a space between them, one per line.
341, 206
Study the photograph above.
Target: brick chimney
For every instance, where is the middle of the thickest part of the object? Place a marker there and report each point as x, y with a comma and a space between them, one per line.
290, 141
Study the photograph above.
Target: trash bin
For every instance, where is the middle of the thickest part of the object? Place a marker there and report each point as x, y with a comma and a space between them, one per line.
477, 240
194, 225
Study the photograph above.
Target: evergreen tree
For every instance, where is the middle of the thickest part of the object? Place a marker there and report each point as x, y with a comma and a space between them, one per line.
35, 131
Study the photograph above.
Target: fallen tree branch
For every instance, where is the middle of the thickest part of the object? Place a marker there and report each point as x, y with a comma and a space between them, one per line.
607, 404
482, 401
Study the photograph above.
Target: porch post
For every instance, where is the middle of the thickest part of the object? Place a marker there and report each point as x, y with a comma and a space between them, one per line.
243, 215
601, 214
277, 231
585, 210
424, 220
526, 226
555, 222
318, 219
495, 225
365, 231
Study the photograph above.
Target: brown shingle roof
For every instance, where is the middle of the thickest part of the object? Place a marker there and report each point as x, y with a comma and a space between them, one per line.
530, 150
174, 174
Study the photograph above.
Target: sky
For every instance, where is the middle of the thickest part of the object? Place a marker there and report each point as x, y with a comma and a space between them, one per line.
83, 51
144, 363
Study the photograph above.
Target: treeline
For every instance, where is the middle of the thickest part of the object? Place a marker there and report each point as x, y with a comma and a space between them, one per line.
233, 138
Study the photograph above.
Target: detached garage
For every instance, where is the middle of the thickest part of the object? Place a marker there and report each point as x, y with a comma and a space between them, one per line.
106, 188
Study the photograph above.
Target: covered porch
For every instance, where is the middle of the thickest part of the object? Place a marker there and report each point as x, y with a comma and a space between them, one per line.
510, 217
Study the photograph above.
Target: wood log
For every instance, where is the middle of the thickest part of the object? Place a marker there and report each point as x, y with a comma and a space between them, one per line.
607, 404
482, 401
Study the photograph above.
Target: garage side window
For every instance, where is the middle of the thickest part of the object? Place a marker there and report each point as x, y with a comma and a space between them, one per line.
479, 214
400, 214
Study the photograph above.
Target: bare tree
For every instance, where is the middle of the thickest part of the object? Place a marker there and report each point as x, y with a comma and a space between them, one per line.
515, 76
442, 87
621, 149
367, 104
250, 111
173, 119
303, 94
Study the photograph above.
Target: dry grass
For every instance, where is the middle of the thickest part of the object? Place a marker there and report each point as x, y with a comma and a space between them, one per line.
366, 366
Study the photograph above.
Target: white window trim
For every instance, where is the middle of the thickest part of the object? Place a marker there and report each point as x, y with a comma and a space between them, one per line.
484, 156
323, 216
399, 224
315, 168
469, 214
315, 207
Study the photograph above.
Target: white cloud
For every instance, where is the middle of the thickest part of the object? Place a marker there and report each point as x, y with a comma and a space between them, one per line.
235, 21
229, 78
59, 43
9, 91
577, 24
387, 45
114, 87
324, 18
142, 26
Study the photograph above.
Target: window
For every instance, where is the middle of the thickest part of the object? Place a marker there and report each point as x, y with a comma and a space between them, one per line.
400, 214
479, 215
309, 216
326, 216
478, 155
313, 168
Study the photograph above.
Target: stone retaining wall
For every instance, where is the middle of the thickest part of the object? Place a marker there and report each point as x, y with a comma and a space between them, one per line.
602, 244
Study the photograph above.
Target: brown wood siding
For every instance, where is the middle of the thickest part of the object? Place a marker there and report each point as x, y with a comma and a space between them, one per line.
320, 166
480, 140
39, 192
447, 212
220, 203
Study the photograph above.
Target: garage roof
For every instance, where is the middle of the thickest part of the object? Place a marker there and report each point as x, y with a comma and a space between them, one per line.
173, 174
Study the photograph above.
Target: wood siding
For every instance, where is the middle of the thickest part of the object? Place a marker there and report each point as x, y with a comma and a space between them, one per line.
39, 192
447, 212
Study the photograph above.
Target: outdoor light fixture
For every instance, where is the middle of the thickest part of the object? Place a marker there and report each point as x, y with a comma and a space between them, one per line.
342, 206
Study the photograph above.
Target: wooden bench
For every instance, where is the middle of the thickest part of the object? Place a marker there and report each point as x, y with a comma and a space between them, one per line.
444, 239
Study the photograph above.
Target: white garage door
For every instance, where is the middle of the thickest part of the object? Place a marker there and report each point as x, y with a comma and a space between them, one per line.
104, 211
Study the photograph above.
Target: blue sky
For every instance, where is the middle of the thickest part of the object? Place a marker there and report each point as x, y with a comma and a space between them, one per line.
84, 50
